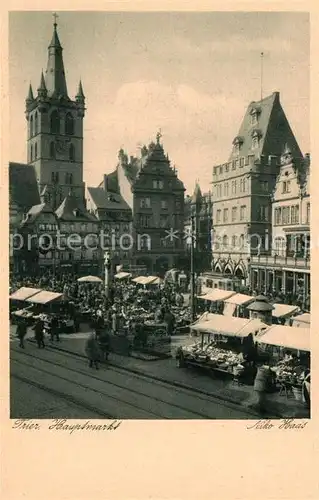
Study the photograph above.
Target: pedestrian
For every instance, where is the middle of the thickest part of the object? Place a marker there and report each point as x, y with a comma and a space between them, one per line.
21, 332
93, 352
38, 333
54, 329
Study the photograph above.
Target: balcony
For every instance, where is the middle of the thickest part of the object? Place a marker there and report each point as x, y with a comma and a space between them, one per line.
302, 263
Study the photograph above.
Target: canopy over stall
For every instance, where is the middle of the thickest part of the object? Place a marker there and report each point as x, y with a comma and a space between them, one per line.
89, 279
45, 297
239, 299
284, 310
230, 326
217, 295
122, 275
24, 293
147, 280
287, 336
302, 321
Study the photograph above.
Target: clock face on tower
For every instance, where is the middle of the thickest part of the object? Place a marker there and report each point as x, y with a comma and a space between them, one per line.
61, 145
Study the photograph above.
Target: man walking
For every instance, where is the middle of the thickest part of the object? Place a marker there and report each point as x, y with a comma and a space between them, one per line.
21, 332
39, 334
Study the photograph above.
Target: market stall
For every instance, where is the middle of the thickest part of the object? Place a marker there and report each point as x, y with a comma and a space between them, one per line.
302, 320
215, 297
19, 297
122, 275
235, 305
226, 345
290, 354
89, 279
283, 312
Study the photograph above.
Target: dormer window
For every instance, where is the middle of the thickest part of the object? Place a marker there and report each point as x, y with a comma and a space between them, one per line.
237, 143
256, 135
254, 115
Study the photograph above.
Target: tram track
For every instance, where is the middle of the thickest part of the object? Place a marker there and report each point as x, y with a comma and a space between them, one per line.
200, 393
21, 357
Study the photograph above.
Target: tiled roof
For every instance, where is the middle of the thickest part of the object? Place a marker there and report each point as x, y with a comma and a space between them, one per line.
272, 128
107, 200
23, 186
72, 210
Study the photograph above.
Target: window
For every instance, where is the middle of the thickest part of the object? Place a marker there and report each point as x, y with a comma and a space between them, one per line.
233, 167
243, 212
254, 143
308, 214
242, 162
158, 184
263, 213
285, 215
233, 187
55, 122
254, 118
31, 126
69, 124
145, 220
31, 152
277, 216
218, 216
225, 215
295, 214
236, 148
68, 178
215, 171
227, 167
35, 151
52, 150
241, 241
178, 205
218, 190
234, 214
264, 186
286, 187
225, 241
226, 189
55, 177
36, 126
71, 152
163, 220
145, 203
163, 204
234, 242
221, 169
164, 242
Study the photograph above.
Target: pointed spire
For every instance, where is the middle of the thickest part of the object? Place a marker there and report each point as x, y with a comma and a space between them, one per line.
197, 195
55, 75
80, 94
30, 96
42, 89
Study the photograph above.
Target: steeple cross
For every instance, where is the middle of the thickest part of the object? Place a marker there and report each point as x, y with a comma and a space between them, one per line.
55, 17
158, 136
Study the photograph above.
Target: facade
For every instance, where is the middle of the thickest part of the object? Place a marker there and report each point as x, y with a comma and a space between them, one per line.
115, 219
83, 255
55, 132
284, 267
151, 189
243, 187
199, 206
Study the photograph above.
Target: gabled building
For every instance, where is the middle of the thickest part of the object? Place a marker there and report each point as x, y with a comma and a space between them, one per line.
151, 189
200, 207
243, 186
80, 253
284, 267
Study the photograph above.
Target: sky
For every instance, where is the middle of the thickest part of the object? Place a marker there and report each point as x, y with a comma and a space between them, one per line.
192, 75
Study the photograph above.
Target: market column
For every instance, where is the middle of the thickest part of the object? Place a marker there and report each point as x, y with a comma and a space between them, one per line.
283, 285
107, 273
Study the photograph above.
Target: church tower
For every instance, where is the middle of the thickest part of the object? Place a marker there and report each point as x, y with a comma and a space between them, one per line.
55, 131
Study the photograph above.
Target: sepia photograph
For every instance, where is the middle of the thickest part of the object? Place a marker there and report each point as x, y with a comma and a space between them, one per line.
159, 215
